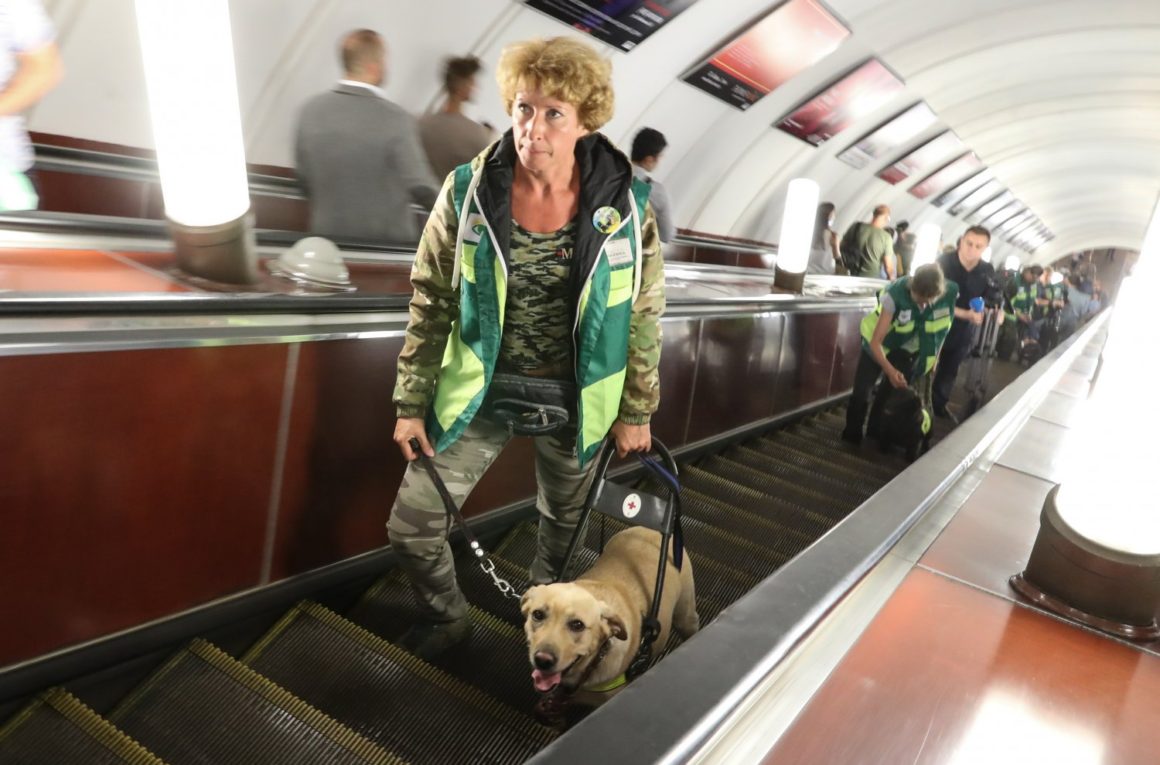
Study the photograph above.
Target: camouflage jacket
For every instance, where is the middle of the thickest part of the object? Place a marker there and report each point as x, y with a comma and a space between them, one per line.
435, 304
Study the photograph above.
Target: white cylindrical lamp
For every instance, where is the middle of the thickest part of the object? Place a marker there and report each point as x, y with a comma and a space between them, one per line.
925, 245
1096, 559
797, 234
1011, 263
187, 51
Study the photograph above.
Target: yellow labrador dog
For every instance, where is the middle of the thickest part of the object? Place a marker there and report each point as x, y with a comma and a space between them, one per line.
582, 635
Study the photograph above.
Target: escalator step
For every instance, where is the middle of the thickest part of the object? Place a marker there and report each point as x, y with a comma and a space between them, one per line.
204, 707
481, 591
495, 660
762, 503
817, 500
868, 452
792, 534
388, 695
57, 728
834, 451
836, 469
848, 490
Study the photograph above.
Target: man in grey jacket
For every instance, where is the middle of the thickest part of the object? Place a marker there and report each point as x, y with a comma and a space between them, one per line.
358, 155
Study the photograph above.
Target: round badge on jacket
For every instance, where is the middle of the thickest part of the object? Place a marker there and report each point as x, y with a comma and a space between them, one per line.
606, 220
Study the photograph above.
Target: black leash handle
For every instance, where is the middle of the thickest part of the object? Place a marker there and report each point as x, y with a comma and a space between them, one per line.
504, 586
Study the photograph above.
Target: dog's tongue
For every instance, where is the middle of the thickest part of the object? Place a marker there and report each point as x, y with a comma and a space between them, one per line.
545, 681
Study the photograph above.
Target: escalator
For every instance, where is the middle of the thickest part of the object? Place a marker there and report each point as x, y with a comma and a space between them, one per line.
325, 687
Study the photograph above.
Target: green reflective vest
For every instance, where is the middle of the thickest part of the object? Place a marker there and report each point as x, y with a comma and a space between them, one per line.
603, 313
929, 326
1024, 300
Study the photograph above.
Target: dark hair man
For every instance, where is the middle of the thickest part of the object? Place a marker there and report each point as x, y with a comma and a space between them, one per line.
647, 147
449, 136
357, 154
966, 268
868, 248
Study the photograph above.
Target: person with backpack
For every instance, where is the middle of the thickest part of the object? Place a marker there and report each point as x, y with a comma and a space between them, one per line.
867, 248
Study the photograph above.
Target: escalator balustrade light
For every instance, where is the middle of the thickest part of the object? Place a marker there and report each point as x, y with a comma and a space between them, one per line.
925, 245
188, 58
1011, 263
313, 261
1096, 558
797, 234
987, 255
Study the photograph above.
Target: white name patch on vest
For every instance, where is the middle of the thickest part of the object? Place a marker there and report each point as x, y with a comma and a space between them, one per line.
619, 252
942, 313
904, 316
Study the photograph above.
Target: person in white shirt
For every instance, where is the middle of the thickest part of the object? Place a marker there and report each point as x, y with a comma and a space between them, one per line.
29, 67
647, 147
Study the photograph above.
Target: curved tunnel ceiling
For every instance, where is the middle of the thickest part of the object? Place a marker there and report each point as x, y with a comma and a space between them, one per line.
1059, 98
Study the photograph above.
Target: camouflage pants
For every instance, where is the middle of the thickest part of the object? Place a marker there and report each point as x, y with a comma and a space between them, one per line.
418, 522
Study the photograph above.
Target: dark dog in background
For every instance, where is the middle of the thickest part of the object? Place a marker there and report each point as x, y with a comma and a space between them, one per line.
901, 421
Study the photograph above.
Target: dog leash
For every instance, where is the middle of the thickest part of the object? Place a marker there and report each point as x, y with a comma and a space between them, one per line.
505, 587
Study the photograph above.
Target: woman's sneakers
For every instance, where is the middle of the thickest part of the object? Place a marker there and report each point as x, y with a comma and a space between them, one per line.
429, 640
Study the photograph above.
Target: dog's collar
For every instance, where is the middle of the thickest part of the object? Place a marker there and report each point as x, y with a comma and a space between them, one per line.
611, 685
600, 656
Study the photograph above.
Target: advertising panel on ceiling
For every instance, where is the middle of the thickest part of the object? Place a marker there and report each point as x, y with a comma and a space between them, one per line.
977, 197
895, 132
924, 158
790, 39
1012, 224
950, 174
991, 207
622, 24
1002, 215
842, 104
960, 191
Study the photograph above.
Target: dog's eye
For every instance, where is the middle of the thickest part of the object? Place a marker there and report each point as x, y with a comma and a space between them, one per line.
538, 615
576, 625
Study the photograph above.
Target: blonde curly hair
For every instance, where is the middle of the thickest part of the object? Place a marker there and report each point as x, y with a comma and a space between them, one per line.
563, 68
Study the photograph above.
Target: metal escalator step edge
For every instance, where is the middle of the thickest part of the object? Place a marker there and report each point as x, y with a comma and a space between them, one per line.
58, 727
832, 450
495, 660
797, 529
166, 692
836, 469
892, 461
850, 489
494, 731
716, 486
513, 537
818, 501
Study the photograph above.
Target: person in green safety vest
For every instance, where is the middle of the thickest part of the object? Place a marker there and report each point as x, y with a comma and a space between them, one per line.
901, 339
1029, 305
539, 286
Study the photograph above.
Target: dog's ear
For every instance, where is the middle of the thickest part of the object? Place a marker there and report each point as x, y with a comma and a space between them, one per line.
615, 624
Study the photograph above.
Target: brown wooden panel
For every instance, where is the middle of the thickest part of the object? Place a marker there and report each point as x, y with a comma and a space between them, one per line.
737, 363
342, 468
807, 360
76, 271
678, 253
755, 260
280, 213
847, 349
946, 674
678, 364
135, 485
715, 256
92, 194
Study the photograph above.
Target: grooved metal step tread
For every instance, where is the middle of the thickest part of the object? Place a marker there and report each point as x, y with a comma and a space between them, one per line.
838, 470
57, 728
203, 706
778, 508
480, 590
388, 695
717, 585
791, 532
837, 487
891, 464
818, 501
495, 660
839, 452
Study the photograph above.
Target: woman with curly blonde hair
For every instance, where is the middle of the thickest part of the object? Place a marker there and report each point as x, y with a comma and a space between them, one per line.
538, 290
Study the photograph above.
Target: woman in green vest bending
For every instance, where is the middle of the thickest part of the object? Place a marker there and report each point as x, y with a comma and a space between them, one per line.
901, 338
539, 281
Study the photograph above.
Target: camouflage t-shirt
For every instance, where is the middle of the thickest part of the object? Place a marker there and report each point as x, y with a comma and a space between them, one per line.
537, 327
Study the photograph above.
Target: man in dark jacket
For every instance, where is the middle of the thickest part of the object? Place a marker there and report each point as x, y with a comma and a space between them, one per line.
358, 155
966, 268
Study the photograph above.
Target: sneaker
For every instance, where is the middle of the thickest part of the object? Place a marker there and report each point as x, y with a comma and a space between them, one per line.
429, 640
